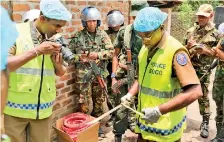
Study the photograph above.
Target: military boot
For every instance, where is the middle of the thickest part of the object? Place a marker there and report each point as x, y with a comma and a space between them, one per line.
204, 127
220, 133
118, 138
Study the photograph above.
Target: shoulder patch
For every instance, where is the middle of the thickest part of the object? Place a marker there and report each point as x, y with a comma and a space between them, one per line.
181, 59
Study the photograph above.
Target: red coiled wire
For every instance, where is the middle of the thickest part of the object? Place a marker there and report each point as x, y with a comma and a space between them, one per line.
75, 123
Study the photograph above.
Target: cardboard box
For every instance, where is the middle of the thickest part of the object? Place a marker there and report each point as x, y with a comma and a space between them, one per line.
88, 135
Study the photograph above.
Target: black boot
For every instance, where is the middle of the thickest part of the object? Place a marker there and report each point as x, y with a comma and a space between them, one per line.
118, 138
220, 133
205, 127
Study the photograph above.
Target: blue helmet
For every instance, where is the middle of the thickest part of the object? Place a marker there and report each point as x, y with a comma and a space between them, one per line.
149, 19
9, 35
90, 13
54, 9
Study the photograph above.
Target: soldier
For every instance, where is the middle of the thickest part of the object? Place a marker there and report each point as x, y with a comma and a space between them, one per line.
115, 20
92, 99
199, 41
126, 38
218, 90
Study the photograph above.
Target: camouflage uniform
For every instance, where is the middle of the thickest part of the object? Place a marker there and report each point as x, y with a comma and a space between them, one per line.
112, 34
121, 120
202, 62
92, 99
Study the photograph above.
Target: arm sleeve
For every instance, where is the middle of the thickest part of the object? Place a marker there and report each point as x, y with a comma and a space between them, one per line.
184, 70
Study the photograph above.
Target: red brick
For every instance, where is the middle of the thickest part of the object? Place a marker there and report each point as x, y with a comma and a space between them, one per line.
66, 102
20, 7
16, 17
65, 77
56, 106
76, 22
74, 9
70, 2
60, 97
61, 85
71, 81
100, 3
92, 3
71, 93
104, 10
109, 4
5, 5
80, 28
116, 4
72, 106
71, 29
81, 3
67, 89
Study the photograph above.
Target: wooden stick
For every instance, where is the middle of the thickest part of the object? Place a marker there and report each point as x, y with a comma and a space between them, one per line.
139, 113
104, 115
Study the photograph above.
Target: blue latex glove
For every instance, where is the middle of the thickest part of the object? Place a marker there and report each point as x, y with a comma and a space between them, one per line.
151, 115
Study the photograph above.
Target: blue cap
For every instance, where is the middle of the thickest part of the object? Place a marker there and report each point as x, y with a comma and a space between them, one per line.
221, 28
149, 19
8, 36
54, 9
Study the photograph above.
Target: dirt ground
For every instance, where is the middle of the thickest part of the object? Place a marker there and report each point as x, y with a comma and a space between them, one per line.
191, 134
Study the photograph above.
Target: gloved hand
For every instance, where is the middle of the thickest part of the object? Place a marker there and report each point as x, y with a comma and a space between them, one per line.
127, 98
151, 115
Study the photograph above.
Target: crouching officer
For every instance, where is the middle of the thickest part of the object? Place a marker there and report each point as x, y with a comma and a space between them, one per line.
167, 82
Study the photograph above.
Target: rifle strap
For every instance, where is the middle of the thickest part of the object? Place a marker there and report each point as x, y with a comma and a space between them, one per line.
127, 36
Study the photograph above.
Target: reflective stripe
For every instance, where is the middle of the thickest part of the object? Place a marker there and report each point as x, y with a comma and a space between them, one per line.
161, 131
32, 71
157, 93
29, 106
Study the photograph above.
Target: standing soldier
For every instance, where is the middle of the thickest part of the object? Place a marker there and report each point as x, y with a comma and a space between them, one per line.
199, 41
91, 44
115, 20
218, 89
167, 82
127, 39
33, 63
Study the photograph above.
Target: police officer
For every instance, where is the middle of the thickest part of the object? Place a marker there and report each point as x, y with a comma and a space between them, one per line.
31, 15
199, 41
167, 82
91, 44
33, 63
8, 29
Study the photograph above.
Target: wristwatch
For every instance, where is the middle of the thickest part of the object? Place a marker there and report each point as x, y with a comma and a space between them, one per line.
113, 75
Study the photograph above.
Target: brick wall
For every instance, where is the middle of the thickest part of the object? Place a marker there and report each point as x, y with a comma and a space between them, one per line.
66, 101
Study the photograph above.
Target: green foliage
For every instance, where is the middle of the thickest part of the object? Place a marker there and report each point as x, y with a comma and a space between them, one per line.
188, 8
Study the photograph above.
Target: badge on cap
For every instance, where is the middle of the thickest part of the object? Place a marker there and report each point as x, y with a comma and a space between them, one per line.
181, 59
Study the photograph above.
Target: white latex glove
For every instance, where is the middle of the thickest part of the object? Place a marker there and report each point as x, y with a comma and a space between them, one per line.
152, 115
126, 98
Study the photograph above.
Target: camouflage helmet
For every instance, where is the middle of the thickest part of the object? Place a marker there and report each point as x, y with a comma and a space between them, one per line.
137, 5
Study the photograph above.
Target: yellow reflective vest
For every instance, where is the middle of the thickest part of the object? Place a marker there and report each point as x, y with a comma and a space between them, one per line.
32, 88
157, 86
